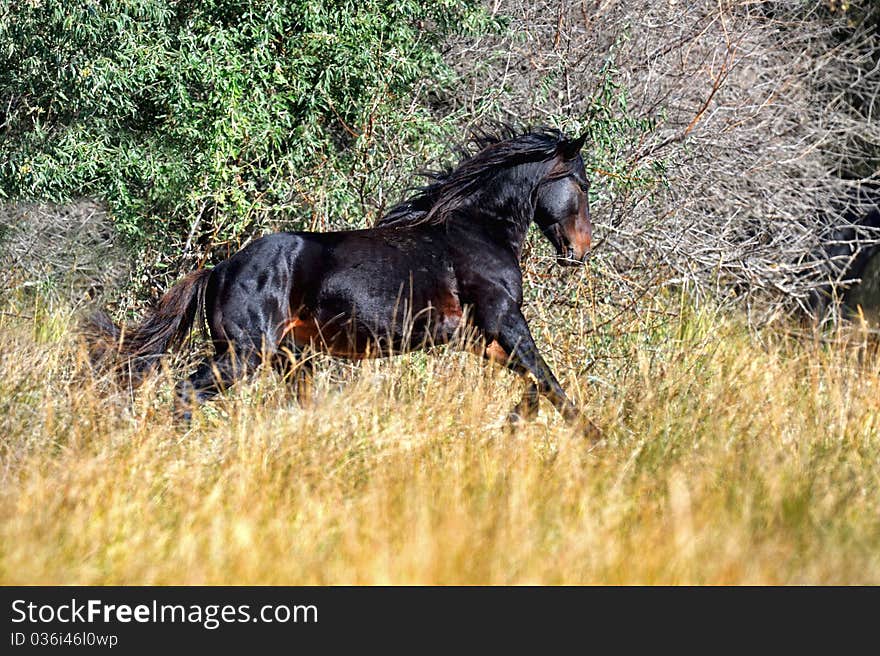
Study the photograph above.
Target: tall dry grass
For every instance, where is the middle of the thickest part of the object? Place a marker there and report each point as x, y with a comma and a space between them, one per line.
730, 457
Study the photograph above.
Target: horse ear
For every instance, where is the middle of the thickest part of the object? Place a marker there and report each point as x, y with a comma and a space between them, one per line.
570, 148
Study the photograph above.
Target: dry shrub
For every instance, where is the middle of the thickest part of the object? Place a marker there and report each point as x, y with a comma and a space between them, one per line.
68, 253
763, 121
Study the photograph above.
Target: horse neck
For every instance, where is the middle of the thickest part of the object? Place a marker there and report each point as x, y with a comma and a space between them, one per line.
504, 208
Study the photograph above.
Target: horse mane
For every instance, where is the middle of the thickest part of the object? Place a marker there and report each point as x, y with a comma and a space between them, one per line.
479, 158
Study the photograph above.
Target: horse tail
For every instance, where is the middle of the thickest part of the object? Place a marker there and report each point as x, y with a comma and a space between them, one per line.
136, 349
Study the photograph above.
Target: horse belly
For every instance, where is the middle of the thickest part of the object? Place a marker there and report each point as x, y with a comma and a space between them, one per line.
306, 332
354, 336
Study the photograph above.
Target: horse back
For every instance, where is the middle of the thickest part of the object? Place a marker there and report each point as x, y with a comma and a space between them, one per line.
342, 292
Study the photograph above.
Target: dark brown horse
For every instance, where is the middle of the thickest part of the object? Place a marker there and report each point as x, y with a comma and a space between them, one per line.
443, 262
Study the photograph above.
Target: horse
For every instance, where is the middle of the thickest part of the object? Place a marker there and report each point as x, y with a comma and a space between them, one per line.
443, 261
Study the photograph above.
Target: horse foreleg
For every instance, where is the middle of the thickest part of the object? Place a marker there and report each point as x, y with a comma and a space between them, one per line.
513, 335
528, 407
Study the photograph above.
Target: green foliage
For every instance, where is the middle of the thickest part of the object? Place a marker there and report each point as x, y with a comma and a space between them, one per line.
615, 133
202, 122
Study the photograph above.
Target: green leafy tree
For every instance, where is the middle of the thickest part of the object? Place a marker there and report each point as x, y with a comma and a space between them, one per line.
202, 122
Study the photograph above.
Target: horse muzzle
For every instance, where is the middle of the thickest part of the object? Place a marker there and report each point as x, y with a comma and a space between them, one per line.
568, 258
568, 252
573, 252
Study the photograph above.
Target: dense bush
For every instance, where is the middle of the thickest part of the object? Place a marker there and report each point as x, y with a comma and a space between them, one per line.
762, 116
724, 137
201, 122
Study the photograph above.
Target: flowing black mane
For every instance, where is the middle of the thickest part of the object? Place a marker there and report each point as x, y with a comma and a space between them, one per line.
481, 157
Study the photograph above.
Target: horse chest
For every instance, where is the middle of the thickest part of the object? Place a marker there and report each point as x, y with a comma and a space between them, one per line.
448, 314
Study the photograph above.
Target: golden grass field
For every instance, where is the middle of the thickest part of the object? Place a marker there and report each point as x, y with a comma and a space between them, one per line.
731, 455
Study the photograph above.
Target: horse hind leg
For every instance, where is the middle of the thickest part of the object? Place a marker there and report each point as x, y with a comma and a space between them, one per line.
296, 369
213, 375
